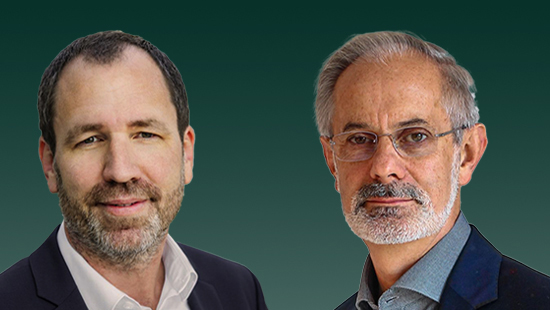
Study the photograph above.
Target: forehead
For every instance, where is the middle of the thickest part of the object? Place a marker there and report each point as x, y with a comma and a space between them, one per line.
90, 92
381, 96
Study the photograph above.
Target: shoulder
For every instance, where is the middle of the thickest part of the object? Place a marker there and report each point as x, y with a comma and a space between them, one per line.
233, 283
39, 281
211, 267
17, 287
18, 275
509, 283
349, 304
522, 283
220, 271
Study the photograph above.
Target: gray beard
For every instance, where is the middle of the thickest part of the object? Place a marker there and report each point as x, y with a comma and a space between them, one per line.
123, 243
396, 225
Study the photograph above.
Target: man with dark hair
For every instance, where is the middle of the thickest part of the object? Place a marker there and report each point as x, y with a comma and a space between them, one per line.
400, 134
117, 148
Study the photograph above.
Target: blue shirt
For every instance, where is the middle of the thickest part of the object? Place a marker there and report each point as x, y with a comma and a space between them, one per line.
422, 285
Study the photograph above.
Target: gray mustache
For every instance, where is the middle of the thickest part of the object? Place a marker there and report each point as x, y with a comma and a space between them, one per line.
391, 190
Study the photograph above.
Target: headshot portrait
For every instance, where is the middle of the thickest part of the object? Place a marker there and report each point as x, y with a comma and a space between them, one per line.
400, 131
117, 148
261, 194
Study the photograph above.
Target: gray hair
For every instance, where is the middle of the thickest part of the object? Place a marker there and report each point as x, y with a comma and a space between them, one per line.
458, 89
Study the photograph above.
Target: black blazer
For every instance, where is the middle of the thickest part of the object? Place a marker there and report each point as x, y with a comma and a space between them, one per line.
482, 278
43, 281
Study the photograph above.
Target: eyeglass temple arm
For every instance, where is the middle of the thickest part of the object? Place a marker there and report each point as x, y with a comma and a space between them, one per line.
453, 130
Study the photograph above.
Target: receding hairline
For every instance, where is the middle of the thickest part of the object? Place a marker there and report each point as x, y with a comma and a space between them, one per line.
416, 57
80, 63
430, 76
126, 53
388, 61
130, 53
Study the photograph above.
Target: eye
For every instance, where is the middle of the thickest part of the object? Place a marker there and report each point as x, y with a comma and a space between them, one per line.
361, 138
88, 141
146, 135
416, 137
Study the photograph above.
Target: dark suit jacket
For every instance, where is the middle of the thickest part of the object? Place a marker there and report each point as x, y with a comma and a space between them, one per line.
482, 278
43, 281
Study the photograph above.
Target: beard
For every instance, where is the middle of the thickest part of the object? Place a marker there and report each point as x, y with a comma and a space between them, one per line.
123, 242
396, 225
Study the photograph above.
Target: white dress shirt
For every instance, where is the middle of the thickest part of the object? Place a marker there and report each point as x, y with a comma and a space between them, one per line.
100, 294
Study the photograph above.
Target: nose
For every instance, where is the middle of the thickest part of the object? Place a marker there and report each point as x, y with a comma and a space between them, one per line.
386, 163
120, 163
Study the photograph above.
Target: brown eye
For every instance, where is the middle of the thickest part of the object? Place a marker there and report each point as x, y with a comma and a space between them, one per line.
416, 137
360, 138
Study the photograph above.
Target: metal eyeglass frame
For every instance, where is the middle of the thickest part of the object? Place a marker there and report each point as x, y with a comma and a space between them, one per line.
377, 138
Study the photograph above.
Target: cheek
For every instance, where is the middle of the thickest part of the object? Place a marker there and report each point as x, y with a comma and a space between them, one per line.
163, 167
351, 177
79, 176
434, 178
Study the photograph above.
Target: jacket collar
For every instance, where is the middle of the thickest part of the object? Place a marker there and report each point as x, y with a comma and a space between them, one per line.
473, 282
55, 284
52, 277
204, 295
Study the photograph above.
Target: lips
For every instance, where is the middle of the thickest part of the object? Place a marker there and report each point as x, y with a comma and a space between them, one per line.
122, 202
124, 207
380, 200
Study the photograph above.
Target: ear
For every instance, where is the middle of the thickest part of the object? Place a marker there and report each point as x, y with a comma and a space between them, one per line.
47, 160
188, 153
329, 158
473, 146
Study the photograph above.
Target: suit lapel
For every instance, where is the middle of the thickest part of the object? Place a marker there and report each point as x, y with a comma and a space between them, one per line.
52, 277
473, 282
451, 300
204, 297
72, 302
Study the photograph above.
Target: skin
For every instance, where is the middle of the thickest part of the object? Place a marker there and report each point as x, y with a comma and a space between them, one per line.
120, 149
380, 98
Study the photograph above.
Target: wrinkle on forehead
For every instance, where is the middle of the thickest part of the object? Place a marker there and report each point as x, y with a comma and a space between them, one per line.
383, 95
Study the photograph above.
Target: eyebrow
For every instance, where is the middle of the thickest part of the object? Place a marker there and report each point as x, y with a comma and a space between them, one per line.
78, 130
352, 126
412, 122
148, 123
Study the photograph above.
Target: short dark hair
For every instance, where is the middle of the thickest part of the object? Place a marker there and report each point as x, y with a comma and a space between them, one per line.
104, 48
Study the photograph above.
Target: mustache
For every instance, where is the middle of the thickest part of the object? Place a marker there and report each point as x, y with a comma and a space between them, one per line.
111, 190
390, 190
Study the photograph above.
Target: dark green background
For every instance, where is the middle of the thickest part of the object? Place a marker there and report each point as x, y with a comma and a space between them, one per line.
262, 194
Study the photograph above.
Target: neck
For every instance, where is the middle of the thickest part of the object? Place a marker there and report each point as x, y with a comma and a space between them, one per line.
391, 261
143, 282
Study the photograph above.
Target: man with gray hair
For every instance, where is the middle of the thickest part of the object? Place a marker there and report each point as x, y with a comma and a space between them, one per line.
117, 148
400, 134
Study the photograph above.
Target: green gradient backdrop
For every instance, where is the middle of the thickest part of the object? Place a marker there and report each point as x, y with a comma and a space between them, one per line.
262, 194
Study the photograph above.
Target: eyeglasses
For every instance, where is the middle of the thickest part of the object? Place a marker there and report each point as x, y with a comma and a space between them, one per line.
354, 146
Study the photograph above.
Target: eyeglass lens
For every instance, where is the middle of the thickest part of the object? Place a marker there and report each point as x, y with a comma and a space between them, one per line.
410, 142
